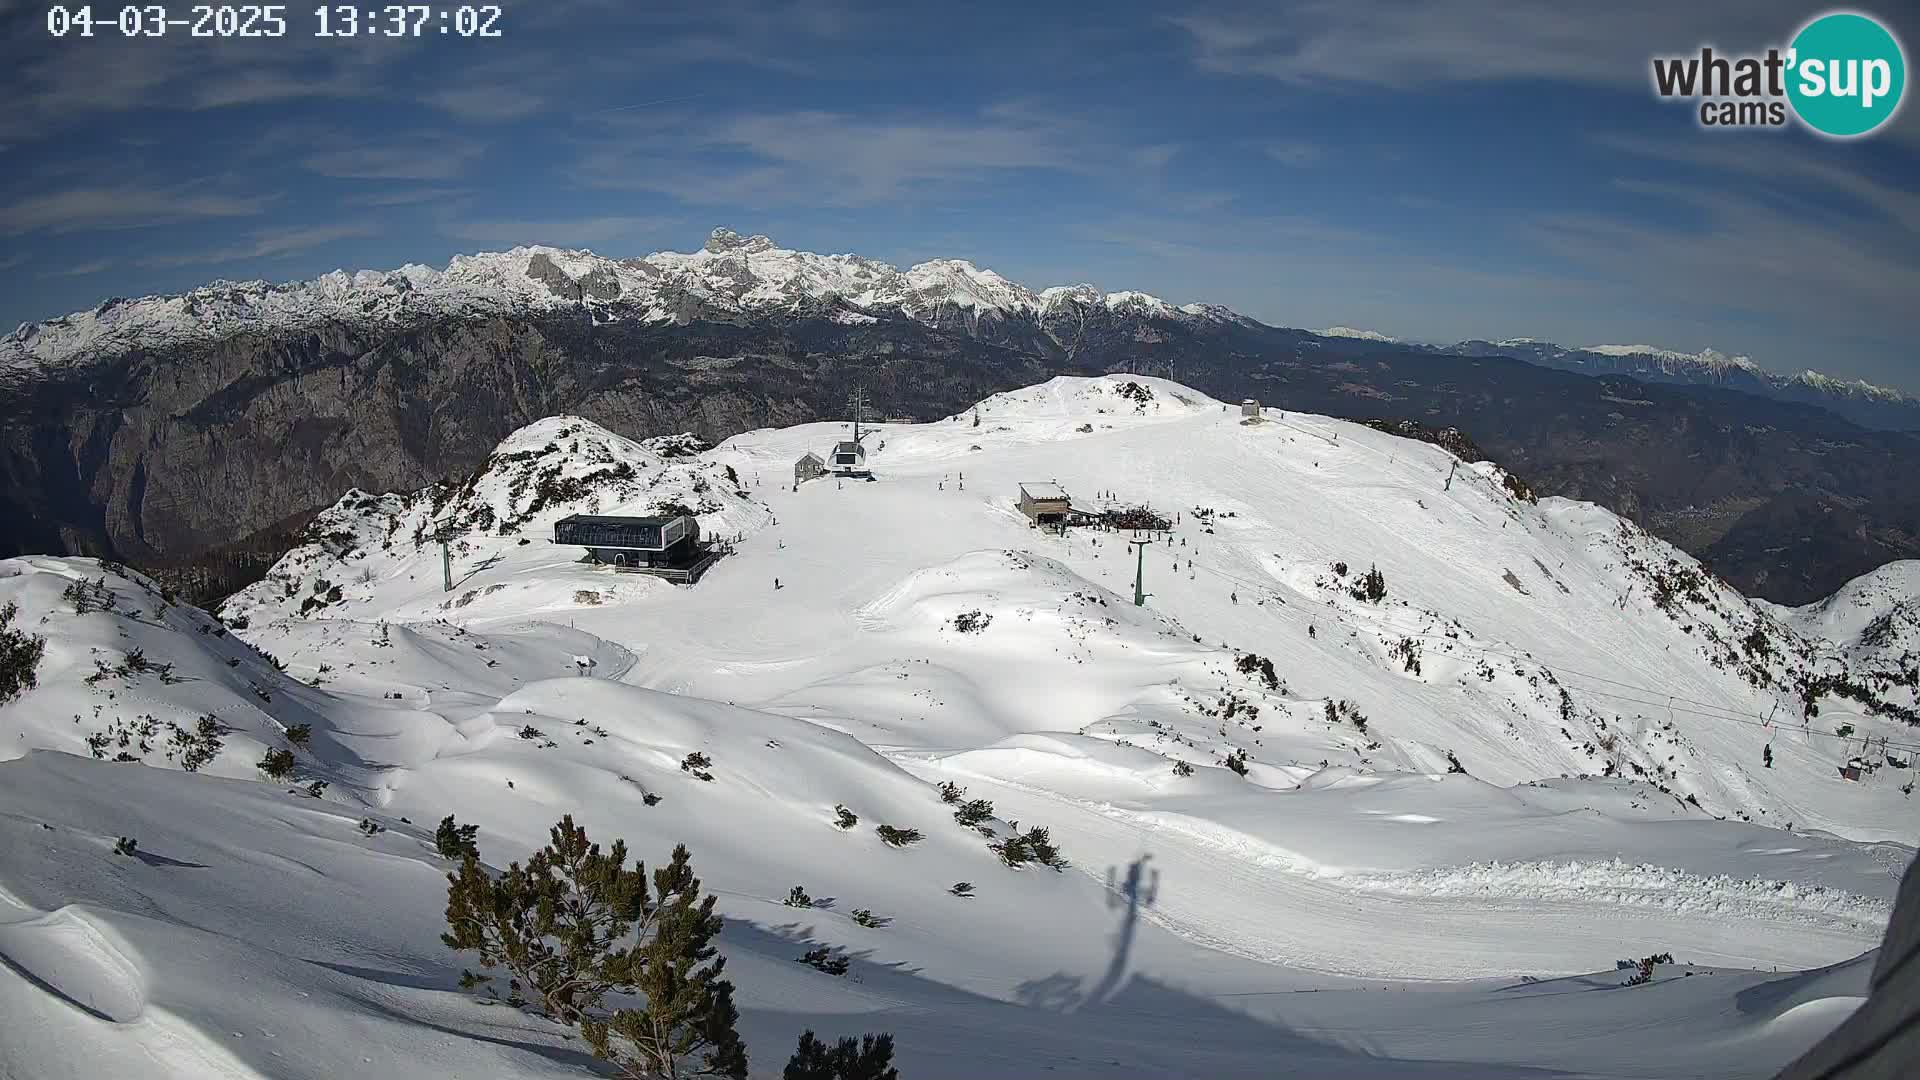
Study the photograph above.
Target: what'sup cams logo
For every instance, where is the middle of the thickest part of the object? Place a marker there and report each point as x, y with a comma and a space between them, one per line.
1843, 76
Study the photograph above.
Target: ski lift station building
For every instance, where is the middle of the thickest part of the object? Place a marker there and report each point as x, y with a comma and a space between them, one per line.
848, 458
632, 541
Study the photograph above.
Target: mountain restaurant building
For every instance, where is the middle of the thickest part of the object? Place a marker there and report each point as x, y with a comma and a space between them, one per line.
632, 541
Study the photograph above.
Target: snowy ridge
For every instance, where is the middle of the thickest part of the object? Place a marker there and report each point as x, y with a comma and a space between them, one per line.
1352, 332
731, 273
1707, 358
363, 546
1827, 384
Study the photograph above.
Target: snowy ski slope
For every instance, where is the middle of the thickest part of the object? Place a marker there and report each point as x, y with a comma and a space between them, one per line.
1348, 906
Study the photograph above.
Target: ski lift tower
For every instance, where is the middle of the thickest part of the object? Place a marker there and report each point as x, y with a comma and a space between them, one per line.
444, 536
849, 457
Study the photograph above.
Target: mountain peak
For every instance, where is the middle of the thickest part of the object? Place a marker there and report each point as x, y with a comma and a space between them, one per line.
723, 241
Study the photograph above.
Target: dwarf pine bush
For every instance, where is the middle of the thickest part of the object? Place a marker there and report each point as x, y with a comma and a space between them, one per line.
20, 655
575, 924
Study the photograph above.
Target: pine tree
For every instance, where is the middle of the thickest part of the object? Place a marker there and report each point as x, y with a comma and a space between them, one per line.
456, 841
973, 812
558, 925
868, 1058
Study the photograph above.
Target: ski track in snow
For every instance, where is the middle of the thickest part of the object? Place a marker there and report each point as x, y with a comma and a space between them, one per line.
1573, 892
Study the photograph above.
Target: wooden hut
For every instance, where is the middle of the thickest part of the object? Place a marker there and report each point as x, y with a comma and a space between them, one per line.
1045, 504
809, 467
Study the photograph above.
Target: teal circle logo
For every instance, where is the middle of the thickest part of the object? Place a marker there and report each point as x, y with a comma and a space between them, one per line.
1846, 74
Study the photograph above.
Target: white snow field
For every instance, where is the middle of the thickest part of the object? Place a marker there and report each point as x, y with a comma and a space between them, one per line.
1356, 904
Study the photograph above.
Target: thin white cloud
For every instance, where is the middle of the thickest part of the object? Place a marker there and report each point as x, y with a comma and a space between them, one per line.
592, 232
486, 103
1296, 152
1775, 163
120, 207
265, 244
1404, 43
408, 197
82, 270
423, 156
833, 159
48, 88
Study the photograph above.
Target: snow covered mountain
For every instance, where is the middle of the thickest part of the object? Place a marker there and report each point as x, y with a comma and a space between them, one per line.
1545, 741
730, 275
1351, 332
1856, 399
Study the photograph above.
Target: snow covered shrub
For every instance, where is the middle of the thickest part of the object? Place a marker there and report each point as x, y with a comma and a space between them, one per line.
1643, 973
300, 734
823, 958
315, 789
1034, 845
962, 889
699, 764
574, 924
1407, 651
797, 897
1372, 586
898, 837
531, 733
1253, 663
127, 846
865, 917
971, 622
973, 812
20, 655
1237, 761
1453, 763
278, 764
370, 827
198, 747
951, 792
1845, 731
868, 1058
86, 596
456, 841
844, 817
1181, 768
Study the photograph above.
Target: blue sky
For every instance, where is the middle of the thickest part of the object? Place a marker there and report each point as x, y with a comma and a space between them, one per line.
1473, 168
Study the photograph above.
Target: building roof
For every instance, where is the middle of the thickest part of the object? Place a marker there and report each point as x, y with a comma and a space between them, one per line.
1046, 491
810, 455
848, 446
617, 519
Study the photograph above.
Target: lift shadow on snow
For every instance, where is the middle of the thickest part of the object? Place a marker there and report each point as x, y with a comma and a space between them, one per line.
1125, 1024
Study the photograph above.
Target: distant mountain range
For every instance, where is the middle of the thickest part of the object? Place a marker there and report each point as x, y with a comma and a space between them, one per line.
160, 429
1859, 401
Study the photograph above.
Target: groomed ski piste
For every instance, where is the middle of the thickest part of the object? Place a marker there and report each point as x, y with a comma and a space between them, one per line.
1419, 848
